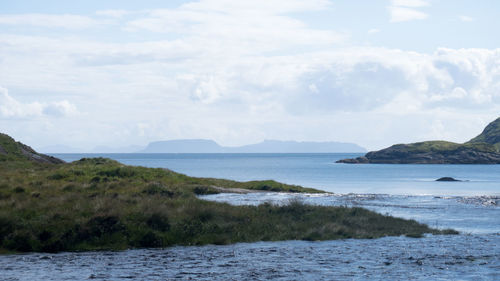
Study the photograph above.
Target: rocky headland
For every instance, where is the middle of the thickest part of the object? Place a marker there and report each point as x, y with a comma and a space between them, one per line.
483, 149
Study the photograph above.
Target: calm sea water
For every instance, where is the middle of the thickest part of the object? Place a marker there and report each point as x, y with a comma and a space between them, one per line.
320, 171
409, 191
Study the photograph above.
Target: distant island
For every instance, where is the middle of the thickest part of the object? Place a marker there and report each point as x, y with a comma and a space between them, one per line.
47, 205
210, 146
483, 149
267, 146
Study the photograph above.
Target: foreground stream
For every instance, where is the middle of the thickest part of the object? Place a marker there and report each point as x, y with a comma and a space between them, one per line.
472, 255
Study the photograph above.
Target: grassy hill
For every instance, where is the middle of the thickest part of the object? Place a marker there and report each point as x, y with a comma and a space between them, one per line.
483, 149
10, 150
490, 135
98, 203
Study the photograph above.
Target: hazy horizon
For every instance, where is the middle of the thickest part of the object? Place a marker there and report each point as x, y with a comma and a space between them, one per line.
373, 73
354, 148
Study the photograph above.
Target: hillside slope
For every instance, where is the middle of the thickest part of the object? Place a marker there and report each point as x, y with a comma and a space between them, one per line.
490, 135
12, 150
483, 149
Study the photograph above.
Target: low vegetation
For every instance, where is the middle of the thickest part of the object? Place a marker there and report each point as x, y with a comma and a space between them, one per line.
490, 135
97, 204
443, 146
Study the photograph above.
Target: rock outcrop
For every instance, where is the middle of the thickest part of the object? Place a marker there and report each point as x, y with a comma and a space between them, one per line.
447, 179
12, 150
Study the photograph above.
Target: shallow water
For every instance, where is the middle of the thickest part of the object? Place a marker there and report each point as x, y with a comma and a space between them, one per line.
468, 214
407, 191
460, 257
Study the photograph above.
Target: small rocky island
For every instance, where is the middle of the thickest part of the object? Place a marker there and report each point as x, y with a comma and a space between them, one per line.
483, 149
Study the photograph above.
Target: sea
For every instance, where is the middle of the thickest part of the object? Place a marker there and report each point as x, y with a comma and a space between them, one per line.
471, 206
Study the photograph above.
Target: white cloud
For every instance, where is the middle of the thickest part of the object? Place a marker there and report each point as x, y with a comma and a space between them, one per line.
45, 20
12, 108
237, 74
465, 18
373, 31
113, 13
259, 6
401, 14
60, 109
410, 3
240, 26
407, 10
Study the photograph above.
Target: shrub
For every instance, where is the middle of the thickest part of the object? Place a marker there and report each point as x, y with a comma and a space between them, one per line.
204, 190
157, 188
158, 222
101, 225
6, 227
95, 179
19, 241
150, 240
77, 172
121, 172
57, 176
44, 235
69, 187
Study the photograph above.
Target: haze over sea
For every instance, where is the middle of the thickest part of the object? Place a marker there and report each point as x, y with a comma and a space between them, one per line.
408, 191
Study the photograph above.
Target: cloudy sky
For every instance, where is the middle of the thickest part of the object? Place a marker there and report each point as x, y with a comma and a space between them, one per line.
373, 72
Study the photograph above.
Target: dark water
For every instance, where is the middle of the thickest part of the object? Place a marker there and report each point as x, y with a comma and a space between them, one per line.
408, 191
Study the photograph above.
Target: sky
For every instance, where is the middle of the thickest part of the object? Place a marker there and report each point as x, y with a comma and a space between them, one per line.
373, 72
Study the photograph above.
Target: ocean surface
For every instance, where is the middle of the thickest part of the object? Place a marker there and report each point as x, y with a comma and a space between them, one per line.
320, 171
409, 191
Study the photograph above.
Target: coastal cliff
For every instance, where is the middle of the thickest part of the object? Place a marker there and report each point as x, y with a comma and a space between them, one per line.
483, 149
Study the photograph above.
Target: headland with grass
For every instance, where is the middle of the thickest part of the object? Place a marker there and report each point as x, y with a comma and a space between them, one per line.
47, 205
483, 149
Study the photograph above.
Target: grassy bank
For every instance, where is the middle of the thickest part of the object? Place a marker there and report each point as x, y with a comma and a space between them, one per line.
96, 204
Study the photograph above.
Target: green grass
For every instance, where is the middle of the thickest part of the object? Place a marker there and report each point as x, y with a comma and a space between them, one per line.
9, 149
490, 135
97, 204
444, 146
